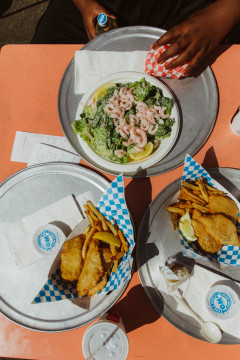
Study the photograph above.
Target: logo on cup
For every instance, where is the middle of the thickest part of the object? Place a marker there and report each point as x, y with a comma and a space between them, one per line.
220, 302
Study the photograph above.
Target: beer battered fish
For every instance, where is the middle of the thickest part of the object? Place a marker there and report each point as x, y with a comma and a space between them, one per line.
223, 205
92, 270
222, 229
71, 258
205, 241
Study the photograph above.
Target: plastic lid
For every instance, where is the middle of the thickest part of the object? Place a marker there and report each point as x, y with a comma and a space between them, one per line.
102, 19
116, 348
222, 302
47, 239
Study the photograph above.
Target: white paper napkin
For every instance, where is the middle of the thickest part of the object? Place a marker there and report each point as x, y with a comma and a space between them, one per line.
91, 66
64, 212
195, 293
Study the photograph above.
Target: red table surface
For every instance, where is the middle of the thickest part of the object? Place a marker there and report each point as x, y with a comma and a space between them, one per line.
30, 78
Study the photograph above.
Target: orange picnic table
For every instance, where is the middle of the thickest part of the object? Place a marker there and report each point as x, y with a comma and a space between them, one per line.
30, 78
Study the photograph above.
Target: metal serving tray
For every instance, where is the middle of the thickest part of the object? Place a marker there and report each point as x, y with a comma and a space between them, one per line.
20, 195
157, 241
197, 98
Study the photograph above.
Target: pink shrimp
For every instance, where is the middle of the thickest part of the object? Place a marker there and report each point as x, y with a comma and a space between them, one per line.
120, 153
122, 122
138, 148
115, 122
109, 107
126, 129
120, 131
117, 112
138, 136
144, 125
128, 142
161, 111
152, 130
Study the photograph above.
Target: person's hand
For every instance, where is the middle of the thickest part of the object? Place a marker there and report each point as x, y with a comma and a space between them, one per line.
193, 39
89, 10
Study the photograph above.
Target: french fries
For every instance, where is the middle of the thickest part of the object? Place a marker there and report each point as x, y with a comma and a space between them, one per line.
193, 195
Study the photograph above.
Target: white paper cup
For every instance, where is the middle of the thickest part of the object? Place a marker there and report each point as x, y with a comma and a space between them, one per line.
222, 302
106, 339
48, 239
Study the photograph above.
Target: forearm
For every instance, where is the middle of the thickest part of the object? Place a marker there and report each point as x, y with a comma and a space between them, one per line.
225, 13
82, 4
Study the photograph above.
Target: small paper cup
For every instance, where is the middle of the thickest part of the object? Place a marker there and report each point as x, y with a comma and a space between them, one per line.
106, 339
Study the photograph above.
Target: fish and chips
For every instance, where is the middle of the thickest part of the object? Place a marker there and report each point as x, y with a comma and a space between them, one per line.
90, 258
212, 215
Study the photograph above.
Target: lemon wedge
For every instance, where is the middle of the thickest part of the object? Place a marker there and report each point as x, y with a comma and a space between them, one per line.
142, 154
102, 91
186, 228
107, 237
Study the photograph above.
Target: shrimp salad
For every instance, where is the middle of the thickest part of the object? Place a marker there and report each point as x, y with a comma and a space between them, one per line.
125, 119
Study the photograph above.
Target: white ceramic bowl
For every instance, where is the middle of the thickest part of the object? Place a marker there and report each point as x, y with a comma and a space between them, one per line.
166, 144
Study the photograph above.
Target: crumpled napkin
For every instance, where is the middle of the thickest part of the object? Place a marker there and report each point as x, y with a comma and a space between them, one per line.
64, 213
195, 293
152, 67
91, 66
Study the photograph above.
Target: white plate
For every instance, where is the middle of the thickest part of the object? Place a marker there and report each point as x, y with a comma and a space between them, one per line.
166, 144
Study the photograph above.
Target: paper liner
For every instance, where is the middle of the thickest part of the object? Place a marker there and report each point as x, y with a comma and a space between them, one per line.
152, 67
113, 206
228, 255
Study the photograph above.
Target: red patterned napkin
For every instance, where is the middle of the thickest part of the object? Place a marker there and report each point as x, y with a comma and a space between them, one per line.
152, 67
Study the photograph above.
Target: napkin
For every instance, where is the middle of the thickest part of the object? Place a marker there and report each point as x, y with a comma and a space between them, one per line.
195, 293
91, 66
152, 67
64, 213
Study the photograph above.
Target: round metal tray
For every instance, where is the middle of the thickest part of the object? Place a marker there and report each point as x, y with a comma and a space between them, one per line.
197, 98
157, 241
20, 195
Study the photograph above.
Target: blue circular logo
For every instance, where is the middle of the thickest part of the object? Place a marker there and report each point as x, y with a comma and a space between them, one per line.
220, 302
46, 240
102, 19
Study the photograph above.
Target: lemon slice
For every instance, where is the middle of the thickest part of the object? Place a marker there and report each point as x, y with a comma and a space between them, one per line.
186, 228
107, 237
102, 91
142, 154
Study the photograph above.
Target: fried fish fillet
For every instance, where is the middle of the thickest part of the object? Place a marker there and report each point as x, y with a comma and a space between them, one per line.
92, 269
222, 229
223, 205
205, 241
71, 258
100, 285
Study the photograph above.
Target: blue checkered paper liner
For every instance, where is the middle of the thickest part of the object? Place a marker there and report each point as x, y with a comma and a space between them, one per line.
113, 206
55, 289
228, 255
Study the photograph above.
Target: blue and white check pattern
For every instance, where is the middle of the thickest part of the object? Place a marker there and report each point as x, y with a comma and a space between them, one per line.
113, 206
228, 255
55, 290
